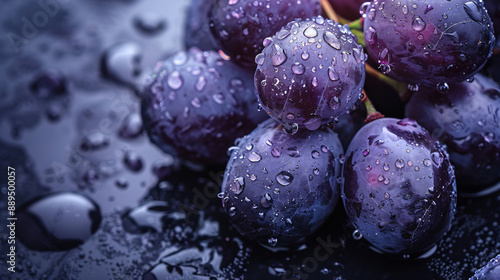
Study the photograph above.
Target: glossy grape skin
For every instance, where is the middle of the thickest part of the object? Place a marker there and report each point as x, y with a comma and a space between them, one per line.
304, 79
348, 9
279, 188
429, 42
196, 104
398, 186
240, 26
466, 119
491, 271
198, 27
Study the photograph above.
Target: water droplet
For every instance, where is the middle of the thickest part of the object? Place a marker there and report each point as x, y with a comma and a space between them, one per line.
314, 81
358, 54
368, 168
363, 8
428, 9
232, 211
132, 161
305, 55
195, 102
313, 123
386, 167
275, 152
371, 13
232, 2
122, 62
418, 24
405, 9
131, 126
284, 178
332, 40
332, 74
442, 87
370, 35
357, 235
366, 152
298, 68
57, 222
278, 57
473, 10
427, 162
266, 201
219, 97
272, 241
238, 185
380, 178
259, 59
267, 41
283, 33
174, 80
437, 158
315, 154
316, 171
311, 32
254, 157
334, 103
387, 195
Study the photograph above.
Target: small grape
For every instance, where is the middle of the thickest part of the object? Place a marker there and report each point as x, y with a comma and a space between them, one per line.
310, 73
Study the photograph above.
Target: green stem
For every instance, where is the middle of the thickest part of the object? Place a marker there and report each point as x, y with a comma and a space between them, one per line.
356, 25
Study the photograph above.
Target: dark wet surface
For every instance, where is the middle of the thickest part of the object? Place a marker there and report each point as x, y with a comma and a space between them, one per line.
69, 127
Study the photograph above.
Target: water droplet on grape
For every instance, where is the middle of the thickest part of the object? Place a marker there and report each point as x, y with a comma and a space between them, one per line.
298, 68
254, 157
418, 24
284, 178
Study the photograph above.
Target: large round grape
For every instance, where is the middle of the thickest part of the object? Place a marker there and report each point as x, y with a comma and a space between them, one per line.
398, 186
196, 104
310, 72
240, 26
466, 119
279, 188
429, 42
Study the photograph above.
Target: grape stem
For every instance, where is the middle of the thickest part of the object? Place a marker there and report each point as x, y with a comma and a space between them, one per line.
372, 113
356, 24
331, 14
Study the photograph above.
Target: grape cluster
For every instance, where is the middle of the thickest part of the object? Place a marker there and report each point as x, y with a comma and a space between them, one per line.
398, 179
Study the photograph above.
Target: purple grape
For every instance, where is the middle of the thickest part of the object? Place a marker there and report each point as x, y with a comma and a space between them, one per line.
197, 103
279, 188
491, 271
429, 42
240, 26
398, 187
466, 119
310, 73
